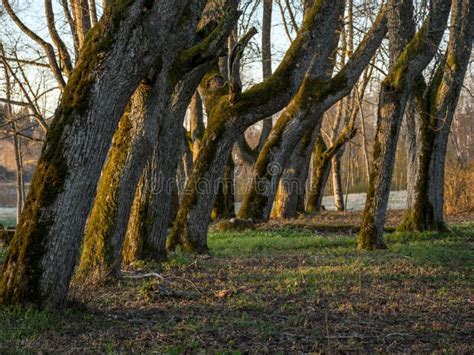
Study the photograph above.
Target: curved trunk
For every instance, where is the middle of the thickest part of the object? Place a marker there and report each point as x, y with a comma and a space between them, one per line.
41, 258
232, 114
160, 107
136, 246
119, 177
190, 228
303, 114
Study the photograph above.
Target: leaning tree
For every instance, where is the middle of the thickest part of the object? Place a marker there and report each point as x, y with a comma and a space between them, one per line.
130, 41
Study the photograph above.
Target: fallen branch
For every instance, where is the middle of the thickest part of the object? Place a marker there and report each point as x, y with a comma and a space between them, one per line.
144, 276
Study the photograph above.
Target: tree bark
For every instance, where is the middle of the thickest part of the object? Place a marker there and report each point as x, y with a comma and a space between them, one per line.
319, 176
291, 189
266, 63
224, 206
394, 93
41, 258
99, 260
157, 129
196, 120
322, 158
434, 117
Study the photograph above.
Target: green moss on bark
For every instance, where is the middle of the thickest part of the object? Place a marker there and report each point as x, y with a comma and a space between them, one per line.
20, 283
98, 259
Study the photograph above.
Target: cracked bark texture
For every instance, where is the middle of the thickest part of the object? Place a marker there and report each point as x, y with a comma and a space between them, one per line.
394, 94
157, 129
119, 53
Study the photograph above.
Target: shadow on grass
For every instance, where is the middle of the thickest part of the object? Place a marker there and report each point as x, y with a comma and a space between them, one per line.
270, 291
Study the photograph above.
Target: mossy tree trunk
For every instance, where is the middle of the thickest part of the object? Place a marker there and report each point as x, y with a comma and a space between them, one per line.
233, 113
41, 258
136, 245
98, 260
304, 113
157, 131
394, 93
435, 115
319, 175
289, 200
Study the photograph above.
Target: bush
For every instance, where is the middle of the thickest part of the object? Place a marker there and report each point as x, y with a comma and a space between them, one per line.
459, 189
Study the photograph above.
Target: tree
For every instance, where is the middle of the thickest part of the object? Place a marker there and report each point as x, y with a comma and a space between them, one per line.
435, 106
322, 157
42, 255
394, 93
153, 131
233, 113
317, 94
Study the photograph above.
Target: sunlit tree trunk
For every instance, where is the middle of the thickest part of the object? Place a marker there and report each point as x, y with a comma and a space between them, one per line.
394, 93
82, 19
42, 255
196, 120
305, 113
158, 110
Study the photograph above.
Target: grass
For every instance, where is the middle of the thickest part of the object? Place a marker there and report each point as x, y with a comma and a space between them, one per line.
276, 290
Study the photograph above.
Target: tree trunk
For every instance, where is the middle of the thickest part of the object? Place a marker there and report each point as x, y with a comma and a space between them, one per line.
82, 19
337, 181
394, 93
233, 114
319, 176
266, 63
196, 120
134, 245
99, 261
302, 114
41, 257
434, 118
291, 189
224, 206
157, 127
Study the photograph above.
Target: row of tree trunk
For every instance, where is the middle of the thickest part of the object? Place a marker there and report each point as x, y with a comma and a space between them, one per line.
106, 190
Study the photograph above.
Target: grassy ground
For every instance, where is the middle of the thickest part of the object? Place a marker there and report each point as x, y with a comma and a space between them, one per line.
274, 290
